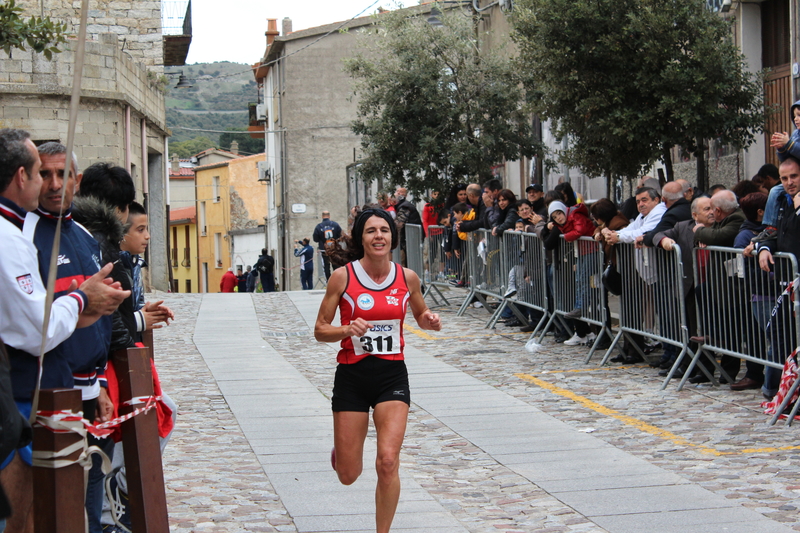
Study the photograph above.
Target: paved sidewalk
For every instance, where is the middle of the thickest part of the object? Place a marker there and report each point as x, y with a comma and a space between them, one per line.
497, 438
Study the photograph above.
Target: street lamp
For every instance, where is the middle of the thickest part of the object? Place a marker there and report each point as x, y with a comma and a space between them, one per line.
434, 19
183, 81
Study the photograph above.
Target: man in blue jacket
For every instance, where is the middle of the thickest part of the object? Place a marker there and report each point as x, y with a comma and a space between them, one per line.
23, 304
79, 258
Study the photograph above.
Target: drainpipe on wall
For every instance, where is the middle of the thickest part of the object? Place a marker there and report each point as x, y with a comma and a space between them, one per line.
145, 162
128, 138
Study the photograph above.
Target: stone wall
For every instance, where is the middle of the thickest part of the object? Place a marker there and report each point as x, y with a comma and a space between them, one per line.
135, 24
108, 74
35, 96
726, 170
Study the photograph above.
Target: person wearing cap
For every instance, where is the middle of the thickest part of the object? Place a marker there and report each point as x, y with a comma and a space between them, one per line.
573, 223
535, 194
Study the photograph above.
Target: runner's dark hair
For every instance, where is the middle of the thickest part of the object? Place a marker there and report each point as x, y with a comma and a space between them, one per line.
351, 247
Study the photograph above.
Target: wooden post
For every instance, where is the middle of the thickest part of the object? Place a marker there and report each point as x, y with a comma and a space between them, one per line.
148, 501
147, 340
59, 494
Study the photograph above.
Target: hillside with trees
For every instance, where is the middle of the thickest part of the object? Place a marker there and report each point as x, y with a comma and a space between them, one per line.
217, 102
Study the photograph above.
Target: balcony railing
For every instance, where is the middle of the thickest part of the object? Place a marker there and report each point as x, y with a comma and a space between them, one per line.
176, 17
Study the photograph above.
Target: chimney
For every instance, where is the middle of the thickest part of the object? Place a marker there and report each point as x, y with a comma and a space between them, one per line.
272, 31
287, 26
175, 164
235, 147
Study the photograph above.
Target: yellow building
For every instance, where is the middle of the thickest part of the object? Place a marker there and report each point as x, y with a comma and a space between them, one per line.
183, 249
230, 199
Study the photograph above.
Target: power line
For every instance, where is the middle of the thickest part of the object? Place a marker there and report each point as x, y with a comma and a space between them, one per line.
284, 130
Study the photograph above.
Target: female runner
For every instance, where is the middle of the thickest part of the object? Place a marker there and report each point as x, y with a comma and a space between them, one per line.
371, 293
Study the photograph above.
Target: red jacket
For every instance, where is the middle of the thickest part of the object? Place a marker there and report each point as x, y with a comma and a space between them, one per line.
578, 225
429, 213
228, 282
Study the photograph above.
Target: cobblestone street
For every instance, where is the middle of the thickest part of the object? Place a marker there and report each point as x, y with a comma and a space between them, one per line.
712, 438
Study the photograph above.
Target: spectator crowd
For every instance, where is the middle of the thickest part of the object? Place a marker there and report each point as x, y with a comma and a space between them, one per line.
760, 217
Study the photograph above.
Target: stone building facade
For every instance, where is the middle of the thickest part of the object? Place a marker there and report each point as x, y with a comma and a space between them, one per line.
121, 120
122, 115
136, 24
231, 209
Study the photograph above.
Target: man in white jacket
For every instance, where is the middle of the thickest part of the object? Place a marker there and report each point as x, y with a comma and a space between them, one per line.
640, 298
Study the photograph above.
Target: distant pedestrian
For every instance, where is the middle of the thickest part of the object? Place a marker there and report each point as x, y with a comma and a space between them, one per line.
250, 274
228, 281
266, 271
252, 279
241, 280
325, 235
304, 251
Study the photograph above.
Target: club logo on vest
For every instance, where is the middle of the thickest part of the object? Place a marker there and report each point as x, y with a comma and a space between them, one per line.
365, 302
26, 283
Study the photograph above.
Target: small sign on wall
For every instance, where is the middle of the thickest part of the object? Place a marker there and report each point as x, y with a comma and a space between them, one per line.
298, 208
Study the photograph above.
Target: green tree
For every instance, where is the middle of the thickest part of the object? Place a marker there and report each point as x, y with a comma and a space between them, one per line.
42, 35
629, 79
434, 108
247, 144
187, 149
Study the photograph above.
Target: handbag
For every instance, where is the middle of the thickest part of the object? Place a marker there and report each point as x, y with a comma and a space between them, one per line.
612, 280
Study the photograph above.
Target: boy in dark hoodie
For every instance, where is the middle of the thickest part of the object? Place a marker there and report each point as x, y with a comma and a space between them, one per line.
106, 192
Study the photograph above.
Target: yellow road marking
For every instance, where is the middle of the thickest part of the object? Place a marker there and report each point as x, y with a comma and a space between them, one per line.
427, 336
573, 370
419, 333
640, 424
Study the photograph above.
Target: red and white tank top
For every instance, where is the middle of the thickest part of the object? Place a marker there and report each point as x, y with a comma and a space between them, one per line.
383, 306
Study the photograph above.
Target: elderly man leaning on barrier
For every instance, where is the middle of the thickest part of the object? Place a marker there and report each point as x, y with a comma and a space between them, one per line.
683, 235
728, 218
785, 240
23, 305
651, 209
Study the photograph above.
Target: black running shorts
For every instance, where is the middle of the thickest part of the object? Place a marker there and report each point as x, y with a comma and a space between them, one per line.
365, 384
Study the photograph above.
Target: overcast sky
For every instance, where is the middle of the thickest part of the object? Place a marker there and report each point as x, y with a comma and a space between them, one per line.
233, 30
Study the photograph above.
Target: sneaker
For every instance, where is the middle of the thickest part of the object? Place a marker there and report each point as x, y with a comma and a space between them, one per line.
590, 337
509, 293
119, 502
560, 338
575, 340
575, 313
766, 235
527, 329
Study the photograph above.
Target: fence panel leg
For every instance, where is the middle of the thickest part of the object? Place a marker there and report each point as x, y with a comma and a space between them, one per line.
148, 501
614, 343
58, 501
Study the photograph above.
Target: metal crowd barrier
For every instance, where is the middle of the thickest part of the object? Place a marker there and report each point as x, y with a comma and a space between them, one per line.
735, 301
524, 257
414, 249
577, 283
487, 275
442, 270
652, 303
397, 255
